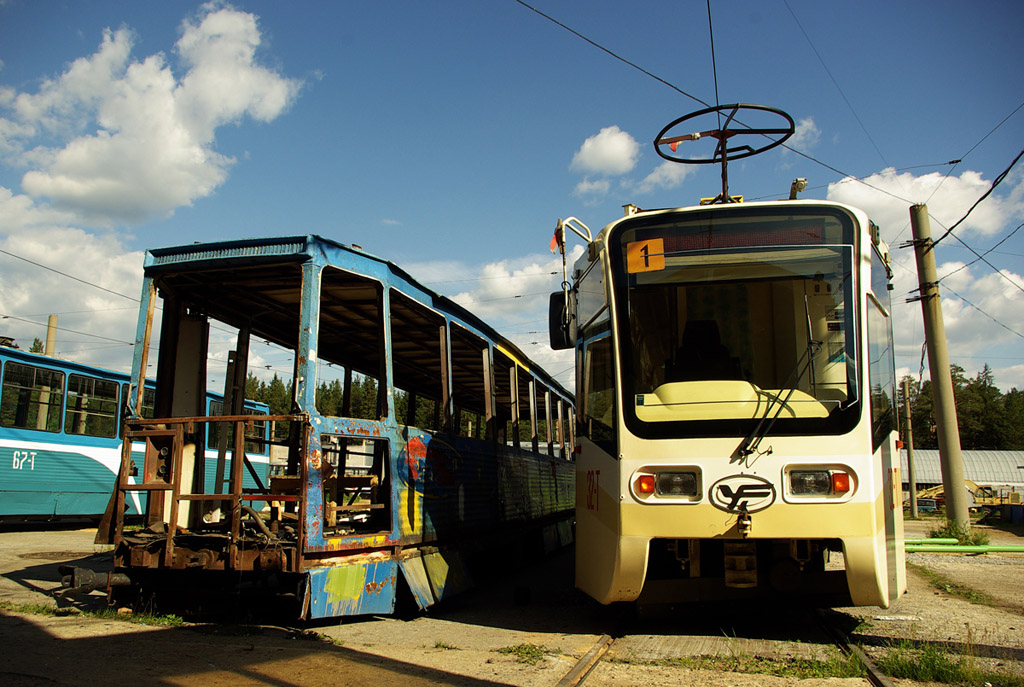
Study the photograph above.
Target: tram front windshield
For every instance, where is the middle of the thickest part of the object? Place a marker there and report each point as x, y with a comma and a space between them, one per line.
727, 318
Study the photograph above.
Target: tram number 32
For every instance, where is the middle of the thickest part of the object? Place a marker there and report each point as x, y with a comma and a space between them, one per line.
592, 501
21, 458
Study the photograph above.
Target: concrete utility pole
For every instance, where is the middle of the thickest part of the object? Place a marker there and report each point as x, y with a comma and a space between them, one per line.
947, 429
908, 441
51, 336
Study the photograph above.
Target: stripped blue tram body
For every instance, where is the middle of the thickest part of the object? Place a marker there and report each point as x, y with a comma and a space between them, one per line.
61, 437
441, 439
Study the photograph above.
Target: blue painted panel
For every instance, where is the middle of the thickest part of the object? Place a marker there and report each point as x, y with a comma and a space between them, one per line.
45, 482
353, 589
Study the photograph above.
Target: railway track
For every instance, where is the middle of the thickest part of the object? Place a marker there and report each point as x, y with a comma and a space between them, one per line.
584, 667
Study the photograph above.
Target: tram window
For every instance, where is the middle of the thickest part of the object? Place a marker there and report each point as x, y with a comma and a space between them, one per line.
91, 406
470, 424
148, 406
543, 425
416, 411
418, 341
148, 400
881, 371
356, 492
527, 425
350, 343
255, 430
599, 392
31, 397
468, 383
506, 417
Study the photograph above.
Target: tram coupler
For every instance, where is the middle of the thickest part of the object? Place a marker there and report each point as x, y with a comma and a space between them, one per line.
76, 581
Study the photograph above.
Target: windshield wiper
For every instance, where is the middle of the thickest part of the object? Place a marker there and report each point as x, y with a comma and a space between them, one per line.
750, 443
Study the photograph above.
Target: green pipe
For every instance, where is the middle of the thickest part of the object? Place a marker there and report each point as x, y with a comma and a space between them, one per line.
933, 540
928, 548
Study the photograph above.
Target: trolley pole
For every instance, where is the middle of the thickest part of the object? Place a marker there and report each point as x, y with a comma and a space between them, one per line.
948, 430
908, 440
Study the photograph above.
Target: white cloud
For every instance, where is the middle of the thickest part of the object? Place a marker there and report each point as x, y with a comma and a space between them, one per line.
590, 189
667, 175
115, 140
95, 325
979, 306
806, 135
948, 199
611, 151
148, 150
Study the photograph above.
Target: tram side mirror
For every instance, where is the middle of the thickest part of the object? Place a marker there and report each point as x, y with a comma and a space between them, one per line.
561, 324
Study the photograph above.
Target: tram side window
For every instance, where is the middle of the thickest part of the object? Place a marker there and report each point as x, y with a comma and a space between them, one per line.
255, 430
31, 397
544, 428
91, 406
418, 340
599, 393
350, 366
881, 372
506, 418
469, 390
148, 405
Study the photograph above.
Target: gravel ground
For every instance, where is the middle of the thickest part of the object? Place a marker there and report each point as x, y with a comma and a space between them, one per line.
992, 633
457, 646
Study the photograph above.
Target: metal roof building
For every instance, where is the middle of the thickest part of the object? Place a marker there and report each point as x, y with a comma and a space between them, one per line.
991, 468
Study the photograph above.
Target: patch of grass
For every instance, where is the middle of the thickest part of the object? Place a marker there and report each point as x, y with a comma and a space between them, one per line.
836, 665
38, 609
964, 534
931, 663
445, 645
528, 653
157, 619
162, 620
944, 584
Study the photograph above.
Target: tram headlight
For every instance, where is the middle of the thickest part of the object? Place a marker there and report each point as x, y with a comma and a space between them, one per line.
818, 482
677, 484
810, 482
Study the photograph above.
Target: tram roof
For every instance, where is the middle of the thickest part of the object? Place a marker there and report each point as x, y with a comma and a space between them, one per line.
289, 252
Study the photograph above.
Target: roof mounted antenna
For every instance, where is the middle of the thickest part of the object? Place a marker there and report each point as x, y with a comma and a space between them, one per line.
728, 129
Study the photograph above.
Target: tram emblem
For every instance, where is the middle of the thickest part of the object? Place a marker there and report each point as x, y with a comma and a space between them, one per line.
742, 494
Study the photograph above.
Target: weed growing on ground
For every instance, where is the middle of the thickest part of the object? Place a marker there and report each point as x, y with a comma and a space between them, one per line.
964, 534
836, 665
944, 584
927, 662
528, 653
445, 645
168, 620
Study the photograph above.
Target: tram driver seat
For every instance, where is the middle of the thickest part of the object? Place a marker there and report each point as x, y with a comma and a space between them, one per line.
701, 355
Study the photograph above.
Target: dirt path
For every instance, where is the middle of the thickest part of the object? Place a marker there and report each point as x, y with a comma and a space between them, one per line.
456, 645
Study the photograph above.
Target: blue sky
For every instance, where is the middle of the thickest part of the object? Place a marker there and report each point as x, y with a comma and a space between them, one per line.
450, 136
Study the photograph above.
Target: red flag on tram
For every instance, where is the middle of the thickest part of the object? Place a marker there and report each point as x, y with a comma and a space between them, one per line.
557, 242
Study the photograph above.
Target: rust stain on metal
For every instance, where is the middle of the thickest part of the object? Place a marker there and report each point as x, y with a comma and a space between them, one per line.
375, 587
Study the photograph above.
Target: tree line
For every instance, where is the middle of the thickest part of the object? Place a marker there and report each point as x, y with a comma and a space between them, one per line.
988, 419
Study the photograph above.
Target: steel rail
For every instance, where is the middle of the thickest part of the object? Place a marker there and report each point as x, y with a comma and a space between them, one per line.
579, 672
874, 674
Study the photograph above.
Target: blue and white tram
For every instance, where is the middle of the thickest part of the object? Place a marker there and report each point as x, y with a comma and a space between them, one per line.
61, 437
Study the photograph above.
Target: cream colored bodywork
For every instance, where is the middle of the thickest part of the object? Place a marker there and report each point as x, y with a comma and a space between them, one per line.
615, 527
